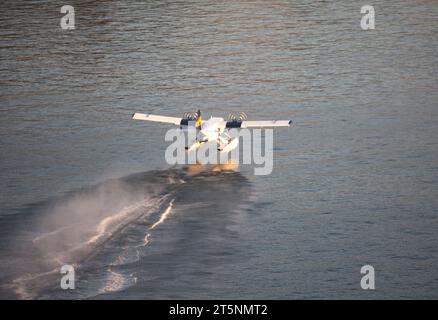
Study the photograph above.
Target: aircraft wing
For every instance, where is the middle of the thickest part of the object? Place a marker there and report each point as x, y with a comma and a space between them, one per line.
266, 124
259, 124
155, 118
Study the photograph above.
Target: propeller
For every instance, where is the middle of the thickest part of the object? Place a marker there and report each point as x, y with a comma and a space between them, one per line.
242, 116
194, 116
188, 116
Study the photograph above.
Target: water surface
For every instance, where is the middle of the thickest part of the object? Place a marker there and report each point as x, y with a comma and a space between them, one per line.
355, 180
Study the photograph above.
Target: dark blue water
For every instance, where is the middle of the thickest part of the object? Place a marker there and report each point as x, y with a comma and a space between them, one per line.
355, 180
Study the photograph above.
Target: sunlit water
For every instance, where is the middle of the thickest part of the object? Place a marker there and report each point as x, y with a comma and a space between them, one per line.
355, 180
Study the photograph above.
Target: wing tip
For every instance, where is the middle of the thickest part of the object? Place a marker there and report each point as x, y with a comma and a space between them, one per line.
289, 123
139, 116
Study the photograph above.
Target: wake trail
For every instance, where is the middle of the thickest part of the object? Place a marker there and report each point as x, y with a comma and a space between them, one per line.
163, 216
24, 285
117, 281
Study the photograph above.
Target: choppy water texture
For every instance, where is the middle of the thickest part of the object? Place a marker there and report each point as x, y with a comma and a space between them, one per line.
355, 180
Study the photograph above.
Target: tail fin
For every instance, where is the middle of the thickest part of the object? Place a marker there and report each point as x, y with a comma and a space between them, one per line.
198, 119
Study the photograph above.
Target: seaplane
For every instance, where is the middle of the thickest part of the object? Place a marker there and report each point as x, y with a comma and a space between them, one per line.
213, 129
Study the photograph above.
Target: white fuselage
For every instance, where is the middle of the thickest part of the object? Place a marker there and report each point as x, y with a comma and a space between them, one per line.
212, 128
